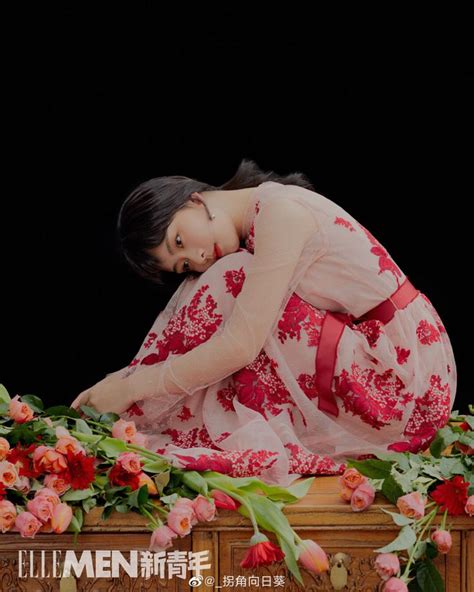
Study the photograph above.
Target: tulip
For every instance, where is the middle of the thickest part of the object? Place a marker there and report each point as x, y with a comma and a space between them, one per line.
312, 556
144, 479
61, 518
222, 500
180, 519
262, 552
161, 539
205, 510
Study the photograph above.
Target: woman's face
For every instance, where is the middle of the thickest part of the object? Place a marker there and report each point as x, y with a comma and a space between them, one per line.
191, 237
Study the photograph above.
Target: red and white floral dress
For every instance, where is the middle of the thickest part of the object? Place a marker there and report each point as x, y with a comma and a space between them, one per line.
392, 383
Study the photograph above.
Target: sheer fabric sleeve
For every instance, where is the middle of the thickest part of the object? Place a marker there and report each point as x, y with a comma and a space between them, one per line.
282, 227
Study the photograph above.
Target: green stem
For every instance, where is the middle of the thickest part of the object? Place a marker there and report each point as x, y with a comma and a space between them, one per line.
156, 523
443, 522
240, 499
406, 572
149, 453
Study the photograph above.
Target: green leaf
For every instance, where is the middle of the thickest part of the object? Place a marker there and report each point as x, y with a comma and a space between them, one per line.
290, 558
155, 466
112, 447
469, 419
58, 410
444, 437
109, 418
4, 408
405, 480
399, 519
373, 468
4, 396
196, 481
79, 516
34, 402
88, 504
431, 550
138, 497
123, 508
467, 438
391, 489
90, 412
404, 540
450, 466
161, 480
74, 495
106, 512
83, 427
429, 578
74, 525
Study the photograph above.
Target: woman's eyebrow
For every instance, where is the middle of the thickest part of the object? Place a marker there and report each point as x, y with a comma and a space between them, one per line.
170, 251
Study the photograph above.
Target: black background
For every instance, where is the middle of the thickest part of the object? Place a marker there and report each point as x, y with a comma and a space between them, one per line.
97, 103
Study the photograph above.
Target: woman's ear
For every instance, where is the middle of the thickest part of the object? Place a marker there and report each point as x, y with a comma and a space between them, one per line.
196, 198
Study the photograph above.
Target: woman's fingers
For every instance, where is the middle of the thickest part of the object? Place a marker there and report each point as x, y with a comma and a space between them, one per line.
80, 399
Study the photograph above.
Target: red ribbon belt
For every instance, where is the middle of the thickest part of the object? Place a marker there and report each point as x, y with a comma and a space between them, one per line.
331, 333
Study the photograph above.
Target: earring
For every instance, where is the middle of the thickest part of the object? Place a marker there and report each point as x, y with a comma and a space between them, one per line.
213, 216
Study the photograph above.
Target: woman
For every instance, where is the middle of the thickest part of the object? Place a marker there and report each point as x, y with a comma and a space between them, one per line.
294, 342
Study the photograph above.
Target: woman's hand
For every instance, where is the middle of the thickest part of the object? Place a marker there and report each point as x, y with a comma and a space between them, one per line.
111, 394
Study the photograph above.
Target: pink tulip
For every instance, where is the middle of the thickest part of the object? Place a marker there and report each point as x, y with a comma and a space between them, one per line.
7, 515
57, 483
185, 502
180, 520
48, 460
469, 507
362, 497
351, 478
222, 500
49, 494
312, 556
18, 411
412, 505
387, 565
40, 507
4, 448
443, 540
395, 585
27, 524
204, 509
161, 539
124, 430
61, 518
130, 462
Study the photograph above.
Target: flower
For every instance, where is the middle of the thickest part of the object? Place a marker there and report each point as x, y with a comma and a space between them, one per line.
312, 556
130, 462
4, 448
181, 518
119, 476
8, 474
395, 585
81, 470
20, 457
61, 518
451, 495
48, 460
387, 565
442, 539
262, 552
412, 505
351, 478
222, 500
205, 510
469, 507
49, 494
362, 497
161, 539
41, 507
59, 482
124, 430
27, 524
18, 411
7, 515
144, 479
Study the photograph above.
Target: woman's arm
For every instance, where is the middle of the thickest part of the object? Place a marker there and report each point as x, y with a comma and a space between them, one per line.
281, 229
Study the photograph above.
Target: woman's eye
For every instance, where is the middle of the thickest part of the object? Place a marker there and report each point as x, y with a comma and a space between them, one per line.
185, 264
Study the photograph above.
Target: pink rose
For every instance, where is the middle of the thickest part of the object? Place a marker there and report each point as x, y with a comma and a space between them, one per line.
8, 473
4, 448
412, 505
7, 515
130, 462
61, 518
351, 478
124, 430
40, 507
27, 524
387, 565
48, 460
180, 520
67, 442
442, 539
362, 497
57, 483
139, 440
469, 507
312, 556
18, 411
22, 484
205, 510
395, 585
346, 493
49, 494
161, 539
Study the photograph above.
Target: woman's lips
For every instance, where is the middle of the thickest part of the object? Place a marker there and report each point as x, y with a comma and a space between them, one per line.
217, 251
